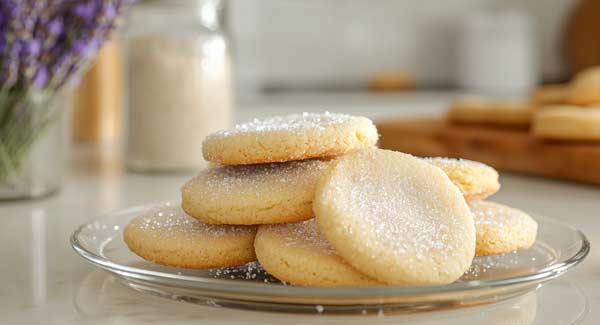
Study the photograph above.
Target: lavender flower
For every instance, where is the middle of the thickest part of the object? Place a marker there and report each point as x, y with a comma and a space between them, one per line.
43, 45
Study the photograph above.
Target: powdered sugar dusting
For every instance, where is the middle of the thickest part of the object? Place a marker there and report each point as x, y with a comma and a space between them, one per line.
292, 122
169, 220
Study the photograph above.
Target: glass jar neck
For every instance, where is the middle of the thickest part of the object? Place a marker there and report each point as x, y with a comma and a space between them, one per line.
201, 15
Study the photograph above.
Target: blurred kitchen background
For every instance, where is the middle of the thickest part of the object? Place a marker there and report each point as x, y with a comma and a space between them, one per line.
345, 43
477, 46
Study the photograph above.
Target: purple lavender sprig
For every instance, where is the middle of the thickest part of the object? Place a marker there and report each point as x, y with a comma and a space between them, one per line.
43, 45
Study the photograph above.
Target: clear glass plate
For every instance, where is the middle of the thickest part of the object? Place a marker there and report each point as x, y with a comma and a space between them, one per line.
558, 248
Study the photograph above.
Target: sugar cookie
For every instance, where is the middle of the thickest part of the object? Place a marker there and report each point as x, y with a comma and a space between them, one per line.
396, 218
291, 137
391, 81
501, 229
484, 111
475, 180
567, 123
585, 88
254, 194
299, 254
167, 236
553, 94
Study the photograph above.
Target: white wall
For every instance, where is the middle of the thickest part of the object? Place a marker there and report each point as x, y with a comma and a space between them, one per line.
337, 43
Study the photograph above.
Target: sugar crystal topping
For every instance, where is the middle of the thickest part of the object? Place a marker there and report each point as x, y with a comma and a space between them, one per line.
499, 216
170, 220
468, 175
304, 234
444, 162
288, 122
253, 177
401, 212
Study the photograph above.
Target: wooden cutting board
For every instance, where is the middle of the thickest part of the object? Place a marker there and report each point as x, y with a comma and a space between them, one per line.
505, 149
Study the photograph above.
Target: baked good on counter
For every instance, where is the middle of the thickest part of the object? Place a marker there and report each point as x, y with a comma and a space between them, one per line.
475, 180
501, 229
567, 123
380, 217
291, 137
167, 236
298, 253
254, 194
396, 218
481, 110
585, 88
552, 94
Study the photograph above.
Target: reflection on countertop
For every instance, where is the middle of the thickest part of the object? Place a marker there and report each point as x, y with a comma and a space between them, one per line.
102, 297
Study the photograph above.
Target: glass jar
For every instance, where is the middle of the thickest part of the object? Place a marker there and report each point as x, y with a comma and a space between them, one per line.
33, 135
178, 83
497, 53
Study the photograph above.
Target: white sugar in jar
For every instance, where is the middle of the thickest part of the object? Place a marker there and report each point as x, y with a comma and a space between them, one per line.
178, 81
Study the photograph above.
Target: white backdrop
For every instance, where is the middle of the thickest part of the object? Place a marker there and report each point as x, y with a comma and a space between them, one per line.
339, 43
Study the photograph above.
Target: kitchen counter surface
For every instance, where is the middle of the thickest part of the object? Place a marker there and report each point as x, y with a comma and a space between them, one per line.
45, 282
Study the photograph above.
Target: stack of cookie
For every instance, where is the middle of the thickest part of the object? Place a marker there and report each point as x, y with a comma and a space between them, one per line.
565, 112
490, 111
570, 112
312, 199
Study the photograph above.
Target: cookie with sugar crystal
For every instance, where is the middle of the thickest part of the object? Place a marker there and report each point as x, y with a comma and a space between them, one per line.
291, 137
298, 253
501, 229
254, 194
475, 180
167, 236
396, 218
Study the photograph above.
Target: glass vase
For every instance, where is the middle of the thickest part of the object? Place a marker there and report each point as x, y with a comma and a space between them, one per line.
32, 143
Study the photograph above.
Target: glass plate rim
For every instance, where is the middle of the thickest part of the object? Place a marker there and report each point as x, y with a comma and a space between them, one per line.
240, 286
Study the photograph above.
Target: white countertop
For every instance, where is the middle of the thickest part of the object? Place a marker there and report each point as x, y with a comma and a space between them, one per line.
45, 282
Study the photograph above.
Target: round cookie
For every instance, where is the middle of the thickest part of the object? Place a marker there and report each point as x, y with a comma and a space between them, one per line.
291, 137
567, 123
553, 94
254, 194
167, 236
396, 218
476, 110
501, 229
299, 254
475, 180
585, 88
391, 81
